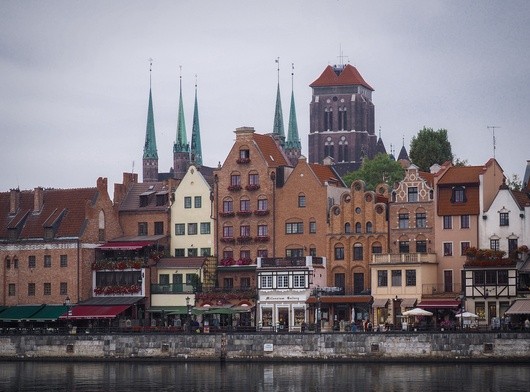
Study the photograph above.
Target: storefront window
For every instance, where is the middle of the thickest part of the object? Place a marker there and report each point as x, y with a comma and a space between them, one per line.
299, 316
266, 317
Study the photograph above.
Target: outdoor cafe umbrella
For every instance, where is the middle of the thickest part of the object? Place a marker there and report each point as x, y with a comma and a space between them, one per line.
466, 315
417, 312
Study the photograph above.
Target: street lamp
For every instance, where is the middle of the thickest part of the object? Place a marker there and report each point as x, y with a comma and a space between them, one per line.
462, 298
68, 303
188, 306
318, 311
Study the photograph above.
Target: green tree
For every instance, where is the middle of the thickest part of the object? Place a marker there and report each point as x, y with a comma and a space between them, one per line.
429, 147
514, 183
376, 171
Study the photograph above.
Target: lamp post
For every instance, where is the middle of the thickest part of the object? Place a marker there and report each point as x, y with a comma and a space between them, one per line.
188, 306
318, 312
462, 298
68, 303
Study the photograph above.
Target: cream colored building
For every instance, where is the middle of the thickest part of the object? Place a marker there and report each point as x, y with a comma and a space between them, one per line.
192, 225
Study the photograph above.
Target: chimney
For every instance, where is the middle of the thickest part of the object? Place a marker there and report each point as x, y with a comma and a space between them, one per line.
14, 201
38, 200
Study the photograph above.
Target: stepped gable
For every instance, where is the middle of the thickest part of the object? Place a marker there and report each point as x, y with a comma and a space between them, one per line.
64, 209
337, 76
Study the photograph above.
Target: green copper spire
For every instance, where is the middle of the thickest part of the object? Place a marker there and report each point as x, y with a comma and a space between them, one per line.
181, 145
293, 140
150, 138
196, 149
278, 114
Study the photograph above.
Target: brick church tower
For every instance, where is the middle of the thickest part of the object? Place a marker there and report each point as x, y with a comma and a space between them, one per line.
341, 119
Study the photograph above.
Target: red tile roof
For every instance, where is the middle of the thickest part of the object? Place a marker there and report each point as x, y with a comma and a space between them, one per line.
428, 177
270, 150
522, 198
325, 173
131, 201
349, 76
461, 175
62, 207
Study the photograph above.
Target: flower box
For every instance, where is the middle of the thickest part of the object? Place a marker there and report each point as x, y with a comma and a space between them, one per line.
227, 214
244, 213
262, 238
228, 240
244, 239
261, 212
252, 187
243, 161
234, 188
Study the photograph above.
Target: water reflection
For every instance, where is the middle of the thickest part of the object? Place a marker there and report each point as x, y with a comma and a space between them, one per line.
261, 377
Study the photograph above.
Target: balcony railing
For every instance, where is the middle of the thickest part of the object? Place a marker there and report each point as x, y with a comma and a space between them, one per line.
176, 288
403, 258
291, 261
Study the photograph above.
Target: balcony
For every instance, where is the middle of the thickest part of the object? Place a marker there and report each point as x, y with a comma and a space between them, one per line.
176, 288
244, 213
404, 258
117, 264
123, 289
225, 295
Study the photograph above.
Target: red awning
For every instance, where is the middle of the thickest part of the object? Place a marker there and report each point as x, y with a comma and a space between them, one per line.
439, 304
95, 311
133, 245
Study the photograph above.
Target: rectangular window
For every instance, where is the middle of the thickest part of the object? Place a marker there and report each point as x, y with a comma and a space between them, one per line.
244, 154
312, 227
421, 220
301, 201
142, 228
357, 252
244, 283
12, 290
382, 278
421, 246
266, 282
47, 261
235, 180
64, 261
403, 221
299, 281
192, 228
448, 222
228, 206
377, 248
253, 179
187, 201
491, 277
294, 228
63, 288
464, 245
228, 231
47, 289
244, 255
458, 195
159, 228
192, 252
32, 261
283, 281
412, 194
396, 278
144, 200
197, 201
502, 277
263, 253
404, 247
244, 231
228, 283
296, 252
512, 245
244, 205
504, 219
180, 228
464, 221
205, 228
263, 231
410, 277
31, 289
179, 252
206, 251
228, 254
339, 253
448, 248
494, 244
262, 205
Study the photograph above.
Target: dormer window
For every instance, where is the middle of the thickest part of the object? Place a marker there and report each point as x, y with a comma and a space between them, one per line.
143, 200
48, 233
459, 195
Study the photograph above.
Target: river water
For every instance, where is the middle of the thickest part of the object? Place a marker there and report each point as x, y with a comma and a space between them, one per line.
261, 377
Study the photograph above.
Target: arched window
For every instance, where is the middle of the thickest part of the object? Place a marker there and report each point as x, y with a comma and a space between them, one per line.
358, 228
347, 228
339, 252
358, 251
369, 228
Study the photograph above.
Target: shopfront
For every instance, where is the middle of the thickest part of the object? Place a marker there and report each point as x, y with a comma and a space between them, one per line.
282, 312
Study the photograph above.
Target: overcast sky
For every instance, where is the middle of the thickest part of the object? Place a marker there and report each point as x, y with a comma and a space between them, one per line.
74, 77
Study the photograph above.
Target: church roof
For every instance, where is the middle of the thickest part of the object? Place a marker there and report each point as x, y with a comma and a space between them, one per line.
293, 139
277, 127
346, 75
403, 154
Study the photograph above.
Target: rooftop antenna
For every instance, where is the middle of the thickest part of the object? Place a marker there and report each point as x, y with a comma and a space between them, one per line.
342, 57
132, 170
492, 127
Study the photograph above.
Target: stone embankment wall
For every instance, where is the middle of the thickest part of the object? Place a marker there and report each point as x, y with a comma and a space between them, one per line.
272, 347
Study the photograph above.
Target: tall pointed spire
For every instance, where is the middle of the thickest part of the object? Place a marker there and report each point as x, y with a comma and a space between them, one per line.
293, 147
196, 149
181, 143
278, 114
150, 157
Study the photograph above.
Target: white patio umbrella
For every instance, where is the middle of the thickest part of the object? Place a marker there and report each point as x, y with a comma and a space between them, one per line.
467, 315
417, 312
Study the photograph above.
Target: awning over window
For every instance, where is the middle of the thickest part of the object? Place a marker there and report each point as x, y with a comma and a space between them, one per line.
49, 313
133, 245
439, 304
80, 312
18, 313
380, 302
408, 302
520, 306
